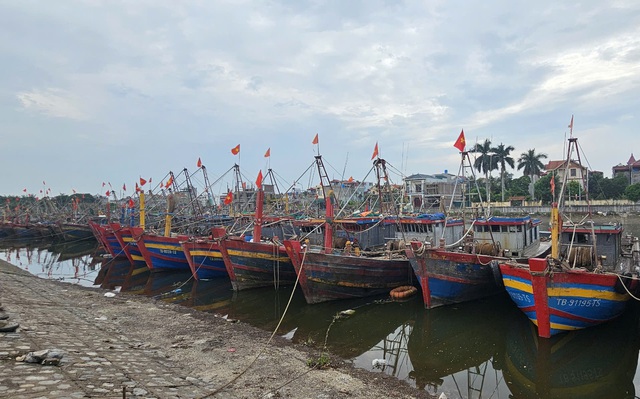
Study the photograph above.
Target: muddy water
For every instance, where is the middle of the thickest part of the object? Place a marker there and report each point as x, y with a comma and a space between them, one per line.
482, 349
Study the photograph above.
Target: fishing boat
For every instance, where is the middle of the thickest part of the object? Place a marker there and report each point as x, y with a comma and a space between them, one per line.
587, 280
456, 266
257, 261
69, 231
327, 274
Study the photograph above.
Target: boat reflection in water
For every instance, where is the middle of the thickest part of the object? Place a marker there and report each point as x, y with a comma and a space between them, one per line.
74, 262
452, 348
599, 362
351, 329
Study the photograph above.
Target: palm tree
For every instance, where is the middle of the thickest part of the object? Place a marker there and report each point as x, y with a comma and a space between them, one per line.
501, 154
485, 162
532, 165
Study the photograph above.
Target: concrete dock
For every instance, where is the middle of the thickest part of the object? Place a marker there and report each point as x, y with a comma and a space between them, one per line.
130, 346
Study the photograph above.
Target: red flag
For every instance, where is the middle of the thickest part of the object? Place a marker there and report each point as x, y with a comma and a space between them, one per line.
199, 164
124, 187
137, 188
236, 150
150, 179
108, 193
375, 152
553, 186
131, 203
571, 124
25, 190
461, 142
315, 139
350, 179
142, 182
169, 182
268, 153
228, 198
259, 179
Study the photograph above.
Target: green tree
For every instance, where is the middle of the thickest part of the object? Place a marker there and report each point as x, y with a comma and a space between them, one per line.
614, 188
596, 186
485, 162
573, 190
543, 188
532, 165
519, 187
632, 192
502, 155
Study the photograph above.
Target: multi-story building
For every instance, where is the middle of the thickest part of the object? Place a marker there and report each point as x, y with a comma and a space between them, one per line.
631, 170
576, 172
426, 191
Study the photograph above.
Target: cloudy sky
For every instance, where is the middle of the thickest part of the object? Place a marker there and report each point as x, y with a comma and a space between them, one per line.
94, 91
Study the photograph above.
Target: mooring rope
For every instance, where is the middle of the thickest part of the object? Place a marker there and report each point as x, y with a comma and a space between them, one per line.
264, 347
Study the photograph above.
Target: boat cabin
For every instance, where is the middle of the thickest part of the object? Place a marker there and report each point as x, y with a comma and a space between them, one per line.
577, 245
516, 237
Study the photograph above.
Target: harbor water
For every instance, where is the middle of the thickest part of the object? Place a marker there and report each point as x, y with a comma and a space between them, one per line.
481, 349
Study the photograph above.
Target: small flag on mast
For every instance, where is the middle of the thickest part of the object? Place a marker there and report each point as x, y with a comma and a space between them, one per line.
236, 150
199, 164
228, 198
268, 153
461, 142
571, 124
315, 139
259, 179
375, 152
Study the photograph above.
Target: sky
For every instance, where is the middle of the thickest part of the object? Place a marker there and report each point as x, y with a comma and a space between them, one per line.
95, 91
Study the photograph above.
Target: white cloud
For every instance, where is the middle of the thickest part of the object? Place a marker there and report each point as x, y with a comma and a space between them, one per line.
53, 102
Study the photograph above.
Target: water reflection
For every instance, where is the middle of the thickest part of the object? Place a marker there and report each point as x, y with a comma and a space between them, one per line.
77, 262
450, 344
481, 349
597, 363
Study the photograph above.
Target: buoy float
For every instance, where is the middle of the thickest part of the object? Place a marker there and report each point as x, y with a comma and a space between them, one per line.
403, 291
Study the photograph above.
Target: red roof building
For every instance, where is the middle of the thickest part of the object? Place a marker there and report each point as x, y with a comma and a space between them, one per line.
630, 170
576, 172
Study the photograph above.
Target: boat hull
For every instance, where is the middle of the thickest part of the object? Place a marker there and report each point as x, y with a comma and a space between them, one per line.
106, 236
130, 247
327, 277
163, 253
450, 277
204, 258
563, 301
257, 264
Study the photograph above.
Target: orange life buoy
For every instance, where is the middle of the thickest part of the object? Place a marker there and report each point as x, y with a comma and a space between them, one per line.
403, 291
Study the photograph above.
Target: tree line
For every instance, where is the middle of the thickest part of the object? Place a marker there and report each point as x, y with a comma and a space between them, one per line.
491, 158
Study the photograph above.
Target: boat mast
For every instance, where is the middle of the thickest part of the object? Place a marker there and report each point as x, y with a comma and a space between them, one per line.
235, 204
207, 189
195, 204
327, 192
257, 223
